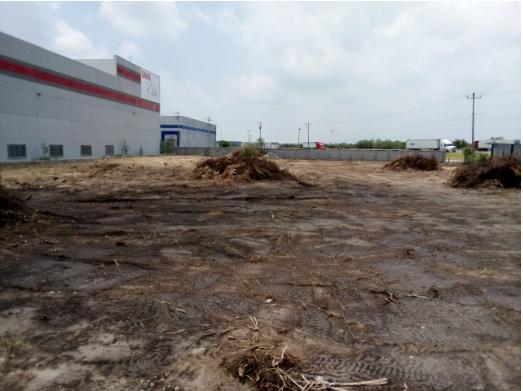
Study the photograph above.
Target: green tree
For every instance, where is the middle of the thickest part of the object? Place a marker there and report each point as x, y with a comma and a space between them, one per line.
224, 143
260, 142
460, 143
471, 156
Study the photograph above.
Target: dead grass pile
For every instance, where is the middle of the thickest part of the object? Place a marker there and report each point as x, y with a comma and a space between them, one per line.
12, 208
263, 366
271, 370
245, 164
414, 162
502, 172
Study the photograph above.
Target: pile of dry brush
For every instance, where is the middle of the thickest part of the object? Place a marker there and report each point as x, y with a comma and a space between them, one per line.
414, 162
12, 208
245, 164
271, 370
268, 367
502, 172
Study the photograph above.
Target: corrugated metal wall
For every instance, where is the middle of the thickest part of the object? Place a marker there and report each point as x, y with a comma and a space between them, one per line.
327, 154
500, 150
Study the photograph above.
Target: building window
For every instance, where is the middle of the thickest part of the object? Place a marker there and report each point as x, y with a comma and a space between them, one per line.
56, 150
86, 150
109, 150
16, 151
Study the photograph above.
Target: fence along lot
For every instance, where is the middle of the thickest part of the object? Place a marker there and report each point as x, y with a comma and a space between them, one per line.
383, 155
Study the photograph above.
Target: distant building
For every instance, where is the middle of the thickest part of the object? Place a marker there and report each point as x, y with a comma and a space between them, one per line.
188, 132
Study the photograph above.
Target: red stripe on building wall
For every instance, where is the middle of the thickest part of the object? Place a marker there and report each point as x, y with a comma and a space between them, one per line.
128, 73
73, 84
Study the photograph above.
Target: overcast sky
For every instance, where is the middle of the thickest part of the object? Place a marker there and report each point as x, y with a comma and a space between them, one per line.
354, 70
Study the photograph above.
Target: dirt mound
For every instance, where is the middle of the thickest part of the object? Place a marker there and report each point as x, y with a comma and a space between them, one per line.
12, 208
499, 172
414, 162
245, 164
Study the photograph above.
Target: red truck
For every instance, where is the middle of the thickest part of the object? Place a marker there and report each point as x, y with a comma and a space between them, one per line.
314, 145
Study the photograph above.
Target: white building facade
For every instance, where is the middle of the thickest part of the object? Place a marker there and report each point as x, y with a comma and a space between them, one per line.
53, 107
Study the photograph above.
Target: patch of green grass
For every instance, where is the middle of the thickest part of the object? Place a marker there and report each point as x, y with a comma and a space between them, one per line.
455, 156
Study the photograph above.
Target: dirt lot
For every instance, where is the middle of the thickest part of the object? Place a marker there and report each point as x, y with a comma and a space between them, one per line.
131, 276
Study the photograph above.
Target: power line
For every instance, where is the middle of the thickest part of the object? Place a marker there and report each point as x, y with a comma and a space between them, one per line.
499, 93
500, 119
413, 110
407, 127
384, 116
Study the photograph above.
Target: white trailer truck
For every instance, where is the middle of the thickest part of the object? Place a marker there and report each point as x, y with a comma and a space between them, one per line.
434, 144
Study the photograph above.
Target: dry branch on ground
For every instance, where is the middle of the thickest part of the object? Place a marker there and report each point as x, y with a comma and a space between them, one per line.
414, 162
499, 172
245, 164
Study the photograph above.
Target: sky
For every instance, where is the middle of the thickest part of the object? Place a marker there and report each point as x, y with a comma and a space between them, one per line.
353, 70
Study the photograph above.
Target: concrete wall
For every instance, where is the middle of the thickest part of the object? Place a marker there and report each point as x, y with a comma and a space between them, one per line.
191, 132
34, 113
328, 154
500, 150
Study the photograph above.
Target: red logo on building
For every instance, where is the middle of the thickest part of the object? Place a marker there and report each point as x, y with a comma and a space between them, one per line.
146, 75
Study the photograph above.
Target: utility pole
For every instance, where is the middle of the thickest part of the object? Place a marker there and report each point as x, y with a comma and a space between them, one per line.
473, 97
308, 131
260, 127
299, 130
248, 136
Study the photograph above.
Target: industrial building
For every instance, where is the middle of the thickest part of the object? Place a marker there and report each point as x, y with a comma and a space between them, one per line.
188, 132
53, 107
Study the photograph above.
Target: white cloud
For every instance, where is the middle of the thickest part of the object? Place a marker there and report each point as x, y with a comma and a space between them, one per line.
128, 50
255, 87
286, 63
40, 24
74, 43
344, 61
186, 97
33, 22
144, 19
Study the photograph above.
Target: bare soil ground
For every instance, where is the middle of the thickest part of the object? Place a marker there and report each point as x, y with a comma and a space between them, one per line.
131, 276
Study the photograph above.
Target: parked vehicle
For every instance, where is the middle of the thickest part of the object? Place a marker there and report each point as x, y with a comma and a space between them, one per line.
314, 145
434, 144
